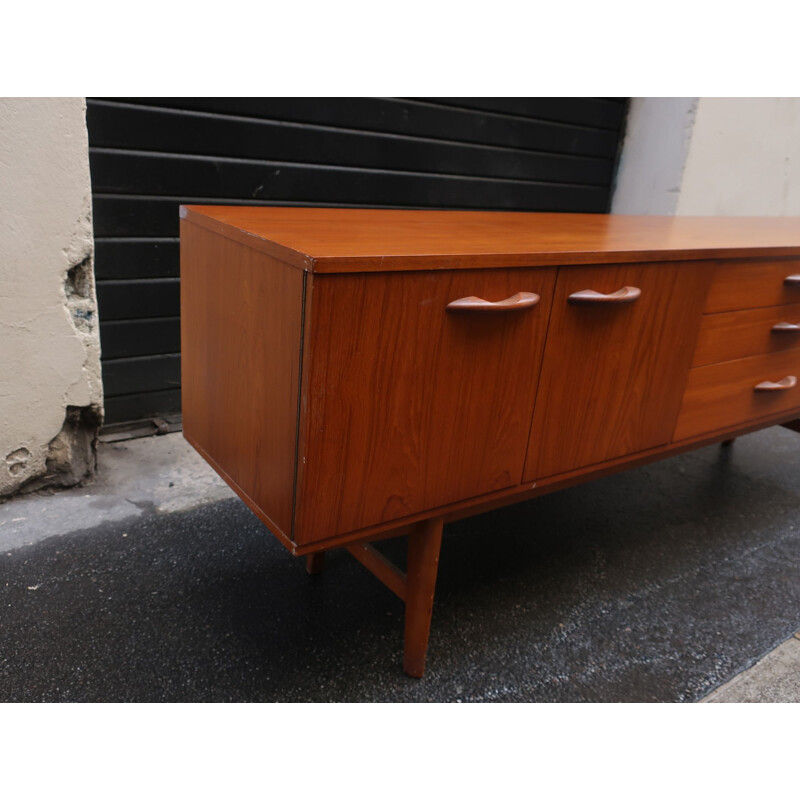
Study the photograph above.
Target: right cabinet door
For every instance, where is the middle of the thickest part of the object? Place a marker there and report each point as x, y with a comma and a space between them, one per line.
619, 347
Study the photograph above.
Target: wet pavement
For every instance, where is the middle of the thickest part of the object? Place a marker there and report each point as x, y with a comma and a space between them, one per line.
658, 584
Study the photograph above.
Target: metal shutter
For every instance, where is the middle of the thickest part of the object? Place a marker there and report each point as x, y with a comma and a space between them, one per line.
149, 155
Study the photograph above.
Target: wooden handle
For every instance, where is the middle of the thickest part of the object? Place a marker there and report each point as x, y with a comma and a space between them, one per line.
789, 382
516, 301
786, 327
627, 294
792, 280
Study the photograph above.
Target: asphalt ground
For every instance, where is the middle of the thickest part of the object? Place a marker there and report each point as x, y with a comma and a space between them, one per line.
657, 584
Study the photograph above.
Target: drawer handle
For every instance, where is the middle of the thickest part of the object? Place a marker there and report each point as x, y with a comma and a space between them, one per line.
627, 294
789, 382
792, 280
516, 301
786, 327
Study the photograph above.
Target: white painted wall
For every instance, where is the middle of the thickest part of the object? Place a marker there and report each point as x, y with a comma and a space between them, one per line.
744, 158
49, 343
721, 157
657, 136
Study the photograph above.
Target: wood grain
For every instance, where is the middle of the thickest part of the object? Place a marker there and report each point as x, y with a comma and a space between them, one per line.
753, 284
424, 543
721, 395
366, 240
241, 314
613, 375
407, 406
738, 334
527, 491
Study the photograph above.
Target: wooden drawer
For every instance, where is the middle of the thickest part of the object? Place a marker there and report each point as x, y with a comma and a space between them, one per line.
722, 395
739, 334
749, 283
411, 406
614, 373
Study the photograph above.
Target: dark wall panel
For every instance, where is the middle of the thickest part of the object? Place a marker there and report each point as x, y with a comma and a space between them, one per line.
229, 179
426, 119
126, 338
124, 127
123, 376
149, 155
138, 299
145, 257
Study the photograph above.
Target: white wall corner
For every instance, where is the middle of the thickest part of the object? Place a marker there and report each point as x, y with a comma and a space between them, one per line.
51, 395
654, 152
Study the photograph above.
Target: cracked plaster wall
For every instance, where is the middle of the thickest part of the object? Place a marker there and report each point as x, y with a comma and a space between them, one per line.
50, 382
710, 156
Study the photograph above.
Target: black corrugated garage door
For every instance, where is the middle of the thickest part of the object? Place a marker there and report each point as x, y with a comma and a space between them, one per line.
149, 155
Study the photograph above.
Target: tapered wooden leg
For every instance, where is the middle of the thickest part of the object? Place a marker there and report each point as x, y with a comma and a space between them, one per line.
424, 543
315, 563
728, 442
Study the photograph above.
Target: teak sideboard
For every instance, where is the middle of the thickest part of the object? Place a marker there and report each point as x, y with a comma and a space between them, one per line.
362, 374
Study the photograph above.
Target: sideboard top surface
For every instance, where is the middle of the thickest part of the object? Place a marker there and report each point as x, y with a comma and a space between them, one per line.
368, 240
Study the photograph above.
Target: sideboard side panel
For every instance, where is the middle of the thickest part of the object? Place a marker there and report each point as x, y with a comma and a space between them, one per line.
241, 326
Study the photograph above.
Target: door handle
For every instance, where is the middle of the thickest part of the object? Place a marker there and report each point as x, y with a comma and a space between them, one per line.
789, 382
786, 327
627, 294
516, 301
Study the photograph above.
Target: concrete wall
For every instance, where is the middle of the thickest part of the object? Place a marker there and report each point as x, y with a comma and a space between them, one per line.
50, 384
711, 156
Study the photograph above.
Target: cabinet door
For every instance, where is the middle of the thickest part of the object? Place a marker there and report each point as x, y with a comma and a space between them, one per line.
614, 368
408, 406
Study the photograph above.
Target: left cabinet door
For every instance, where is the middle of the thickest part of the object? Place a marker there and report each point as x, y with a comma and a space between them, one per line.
408, 405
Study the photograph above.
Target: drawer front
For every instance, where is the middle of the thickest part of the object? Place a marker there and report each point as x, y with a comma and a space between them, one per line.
408, 405
739, 334
721, 395
613, 374
740, 284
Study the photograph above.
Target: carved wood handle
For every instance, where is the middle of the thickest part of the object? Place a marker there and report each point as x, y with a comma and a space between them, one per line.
786, 327
792, 280
789, 382
516, 301
627, 294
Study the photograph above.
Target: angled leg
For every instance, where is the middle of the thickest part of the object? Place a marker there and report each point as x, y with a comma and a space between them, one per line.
315, 563
794, 425
727, 442
424, 543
